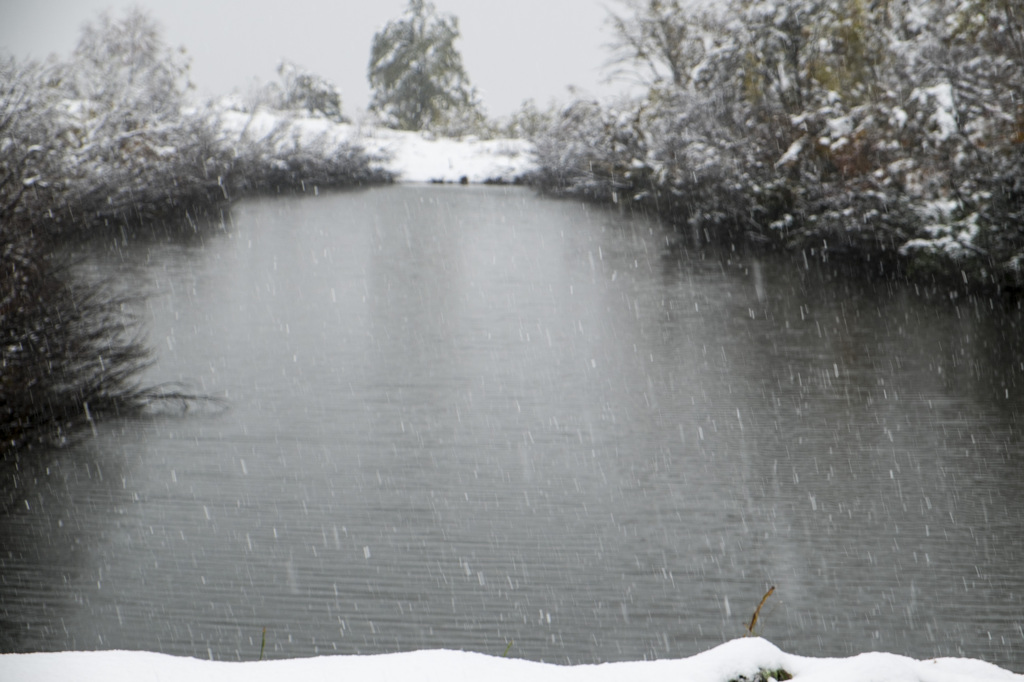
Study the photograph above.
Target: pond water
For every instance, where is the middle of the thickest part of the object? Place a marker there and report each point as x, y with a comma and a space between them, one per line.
474, 418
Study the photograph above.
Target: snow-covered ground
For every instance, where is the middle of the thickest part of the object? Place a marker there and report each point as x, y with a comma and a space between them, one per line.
415, 158
410, 156
735, 660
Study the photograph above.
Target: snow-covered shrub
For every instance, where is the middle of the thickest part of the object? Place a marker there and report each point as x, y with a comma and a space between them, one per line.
275, 152
594, 151
835, 122
702, 170
963, 129
31, 133
117, 143
308, 92
527, 122
68, 349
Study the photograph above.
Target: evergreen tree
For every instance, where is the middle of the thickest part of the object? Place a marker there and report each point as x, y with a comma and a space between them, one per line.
417, 76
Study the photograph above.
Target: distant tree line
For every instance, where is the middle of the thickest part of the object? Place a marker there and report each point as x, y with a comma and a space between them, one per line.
886, 129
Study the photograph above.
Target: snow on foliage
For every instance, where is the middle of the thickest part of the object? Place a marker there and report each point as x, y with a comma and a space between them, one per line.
308, 92
806, 121
937, 100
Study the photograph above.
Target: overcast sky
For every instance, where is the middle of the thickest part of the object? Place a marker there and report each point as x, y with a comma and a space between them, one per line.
511, 49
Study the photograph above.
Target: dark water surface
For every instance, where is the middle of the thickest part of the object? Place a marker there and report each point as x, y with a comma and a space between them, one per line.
463, 417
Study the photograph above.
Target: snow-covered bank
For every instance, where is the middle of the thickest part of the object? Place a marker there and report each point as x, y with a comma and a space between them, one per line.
408, 156
412, 157
736, 660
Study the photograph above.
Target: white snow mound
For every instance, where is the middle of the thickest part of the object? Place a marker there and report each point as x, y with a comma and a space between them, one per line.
741, 657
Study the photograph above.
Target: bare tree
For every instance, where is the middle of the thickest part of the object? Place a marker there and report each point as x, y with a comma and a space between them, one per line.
660, 38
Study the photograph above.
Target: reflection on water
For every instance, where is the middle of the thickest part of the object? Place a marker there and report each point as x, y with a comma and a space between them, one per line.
461, 417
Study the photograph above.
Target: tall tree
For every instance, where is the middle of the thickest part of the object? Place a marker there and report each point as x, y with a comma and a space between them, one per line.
417, 76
